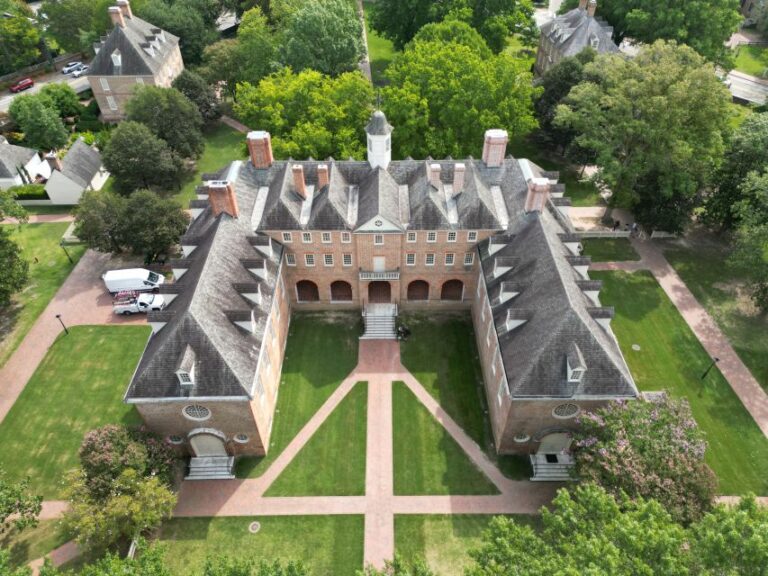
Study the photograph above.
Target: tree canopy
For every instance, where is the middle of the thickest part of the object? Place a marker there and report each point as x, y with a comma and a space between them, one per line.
21, 41
199, 92
63, 98
38, 118
309, 114
325, 35
656, 125
443, 96
183, 20
19, 508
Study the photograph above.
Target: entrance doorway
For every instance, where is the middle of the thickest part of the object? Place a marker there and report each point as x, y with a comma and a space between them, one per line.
554, 444
379, 292
205, 444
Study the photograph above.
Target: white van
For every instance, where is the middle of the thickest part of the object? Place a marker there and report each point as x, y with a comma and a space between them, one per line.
137, 279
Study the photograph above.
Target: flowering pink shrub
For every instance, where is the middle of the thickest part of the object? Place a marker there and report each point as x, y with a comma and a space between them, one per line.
649, 450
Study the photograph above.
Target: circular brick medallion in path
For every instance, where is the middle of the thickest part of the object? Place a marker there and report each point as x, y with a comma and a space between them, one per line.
254, 527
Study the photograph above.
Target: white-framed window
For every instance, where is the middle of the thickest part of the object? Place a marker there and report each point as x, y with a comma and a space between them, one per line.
111, 103
287, 237
472, 236
429, 260
451, 236
104, 84
566, 410
328, 259
469, 258
306, 237
290, 259
431, 236
378, 239
196, 412
410, 237
309, 259
410, 259
347, 259
346, 237
450, 258
325, 237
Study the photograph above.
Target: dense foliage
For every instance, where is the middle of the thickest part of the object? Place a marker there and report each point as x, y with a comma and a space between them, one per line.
309, 114
656, 125
38, 118
184, 19
399, 567
751, 246
15, 268
200, 93
227, 566
63, 98
647, 450
19, 508
20, 38
148, 561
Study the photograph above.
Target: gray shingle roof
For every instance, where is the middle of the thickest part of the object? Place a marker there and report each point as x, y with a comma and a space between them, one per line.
81, 163
378, 125
13, 157
575, 30
132, 43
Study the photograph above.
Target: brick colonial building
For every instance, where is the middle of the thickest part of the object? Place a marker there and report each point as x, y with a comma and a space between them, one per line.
490, 235
134, 53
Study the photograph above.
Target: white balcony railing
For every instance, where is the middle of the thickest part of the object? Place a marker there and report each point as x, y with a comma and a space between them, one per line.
386, 275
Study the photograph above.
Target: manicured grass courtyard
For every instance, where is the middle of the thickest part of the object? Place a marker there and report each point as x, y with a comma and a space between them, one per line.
327, 545
321, 352
332, 463
33, 543
671, 358
448, 367
609, 249
381, 51
443, 541
78, 386
48, 268
752, 59
719, 288
426, 459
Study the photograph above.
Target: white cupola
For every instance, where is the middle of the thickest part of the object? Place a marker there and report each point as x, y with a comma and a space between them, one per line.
379, 134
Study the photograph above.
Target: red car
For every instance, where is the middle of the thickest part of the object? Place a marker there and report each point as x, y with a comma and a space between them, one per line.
22, 85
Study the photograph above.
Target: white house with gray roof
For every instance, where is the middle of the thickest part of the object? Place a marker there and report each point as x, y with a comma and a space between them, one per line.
80, 170
20, 165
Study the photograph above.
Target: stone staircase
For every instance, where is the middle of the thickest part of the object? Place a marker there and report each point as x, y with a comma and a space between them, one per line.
211, 468
379, 322
547, 471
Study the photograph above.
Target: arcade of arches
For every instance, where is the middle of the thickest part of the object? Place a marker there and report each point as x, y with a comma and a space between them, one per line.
379, 291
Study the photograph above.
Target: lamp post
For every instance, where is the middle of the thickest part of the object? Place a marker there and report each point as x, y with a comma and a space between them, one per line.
65, 252
58, 317
714, 361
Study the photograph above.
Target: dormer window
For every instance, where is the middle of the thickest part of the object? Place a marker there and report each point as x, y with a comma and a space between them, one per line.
186, 379
117, 59
185, 373
516, 318
594, 42
575, 365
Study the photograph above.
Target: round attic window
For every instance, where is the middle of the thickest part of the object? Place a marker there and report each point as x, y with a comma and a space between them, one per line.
379, 223
565, 411
242, 438
197, 412
174, 439
522, 438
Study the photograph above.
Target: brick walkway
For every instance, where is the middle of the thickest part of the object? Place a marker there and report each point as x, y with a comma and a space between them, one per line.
716, 344
43, 219
232, 123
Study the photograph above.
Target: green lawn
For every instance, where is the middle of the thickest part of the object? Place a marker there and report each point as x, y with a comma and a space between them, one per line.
609, 249
33, 543
78, 386
740, 113
38, 242
443, 541
332, 463
719, 289
328, 545
582, 192
381, 51
448, 367
426, 459
752, 60
222, 145
321, 352
671, 358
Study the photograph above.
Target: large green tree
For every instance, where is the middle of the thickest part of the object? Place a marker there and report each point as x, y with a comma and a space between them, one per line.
75, 24
171, 116
257, 47
65, 100
656, 125
10, 208
152, 224
704, 25
202, 94
325, 35
137, 158
148, 561
19, 42
38, 118
222, 65
309, 114
98, 220
184, 21
442, 96
399, 567
747, 151
751, 246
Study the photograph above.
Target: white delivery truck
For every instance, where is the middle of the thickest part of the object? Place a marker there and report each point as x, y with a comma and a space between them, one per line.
136, 279
128, 302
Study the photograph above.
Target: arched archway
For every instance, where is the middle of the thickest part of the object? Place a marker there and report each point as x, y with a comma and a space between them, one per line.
341, 291
452, 290
207, 443
379, 292
306, 291
418, 290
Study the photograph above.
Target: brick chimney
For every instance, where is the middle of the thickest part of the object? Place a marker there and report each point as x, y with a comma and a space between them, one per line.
495, 147
222, 198
299, 184
583, 4
260, 149
125, 8
458, 178
53, 161
117, 16
591, 8
322, 176
538, 192
434, 175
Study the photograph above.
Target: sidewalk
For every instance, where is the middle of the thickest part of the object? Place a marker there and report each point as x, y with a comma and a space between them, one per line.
43, 219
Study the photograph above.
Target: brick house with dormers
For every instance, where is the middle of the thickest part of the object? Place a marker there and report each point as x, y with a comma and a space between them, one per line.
491, 236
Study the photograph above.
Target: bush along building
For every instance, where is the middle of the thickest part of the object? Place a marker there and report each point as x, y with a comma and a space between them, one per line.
268, 236
134, 53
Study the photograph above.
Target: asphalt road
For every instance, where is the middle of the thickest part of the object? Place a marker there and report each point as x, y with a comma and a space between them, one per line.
78, 85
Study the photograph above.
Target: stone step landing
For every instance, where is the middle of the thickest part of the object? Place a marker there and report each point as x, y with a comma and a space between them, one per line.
211, 468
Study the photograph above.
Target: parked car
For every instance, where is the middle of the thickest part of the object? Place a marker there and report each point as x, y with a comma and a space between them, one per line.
82, 69
130, 302
137, 279
22, 84
71, 67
